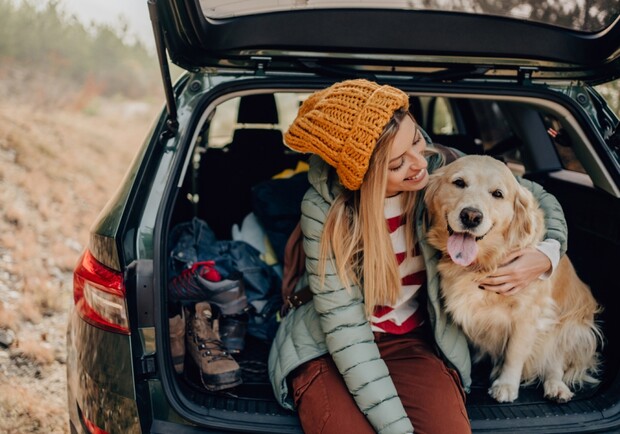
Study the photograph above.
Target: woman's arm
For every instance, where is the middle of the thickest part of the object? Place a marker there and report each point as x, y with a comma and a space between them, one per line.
349, 337
555, 223
524, 266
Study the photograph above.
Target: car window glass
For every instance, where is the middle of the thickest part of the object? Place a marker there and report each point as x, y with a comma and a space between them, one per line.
224, 122
611, 92
443, 118
590, 16
288, 105
495, 133
562, 143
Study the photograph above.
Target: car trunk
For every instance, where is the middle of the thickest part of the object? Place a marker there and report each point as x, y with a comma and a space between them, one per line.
234, 153
475, 87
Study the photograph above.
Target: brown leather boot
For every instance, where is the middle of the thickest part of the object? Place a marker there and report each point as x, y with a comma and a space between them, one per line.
176, 327
218, 370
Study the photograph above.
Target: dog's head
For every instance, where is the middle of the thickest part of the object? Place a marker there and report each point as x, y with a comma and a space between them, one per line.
478, 210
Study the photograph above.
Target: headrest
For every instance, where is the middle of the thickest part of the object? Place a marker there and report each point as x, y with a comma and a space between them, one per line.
415, 108
257, 109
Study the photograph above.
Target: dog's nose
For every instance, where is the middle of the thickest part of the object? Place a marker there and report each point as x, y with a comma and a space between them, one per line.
470, 217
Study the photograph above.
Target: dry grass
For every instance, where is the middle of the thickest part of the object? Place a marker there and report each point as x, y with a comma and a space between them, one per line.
64, 167
58, 168
34, 350
9, 319
25, 411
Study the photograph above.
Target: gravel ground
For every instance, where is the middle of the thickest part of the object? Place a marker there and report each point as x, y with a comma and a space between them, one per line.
57, 170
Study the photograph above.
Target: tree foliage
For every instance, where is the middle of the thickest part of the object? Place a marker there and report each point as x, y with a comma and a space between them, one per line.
100, 57
583, 15
48, 39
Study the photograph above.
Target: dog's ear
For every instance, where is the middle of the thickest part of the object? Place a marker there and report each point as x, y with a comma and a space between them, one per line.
434, 181
430, 193
523, 224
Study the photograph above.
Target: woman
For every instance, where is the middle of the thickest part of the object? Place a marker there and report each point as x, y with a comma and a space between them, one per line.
373, 351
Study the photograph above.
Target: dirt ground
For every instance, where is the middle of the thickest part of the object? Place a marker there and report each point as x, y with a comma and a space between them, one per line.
58, 167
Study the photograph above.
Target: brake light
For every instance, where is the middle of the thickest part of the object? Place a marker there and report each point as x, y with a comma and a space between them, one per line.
99, 295
92, 428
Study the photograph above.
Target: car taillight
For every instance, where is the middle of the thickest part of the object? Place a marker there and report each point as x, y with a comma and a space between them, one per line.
92, 428
99, 295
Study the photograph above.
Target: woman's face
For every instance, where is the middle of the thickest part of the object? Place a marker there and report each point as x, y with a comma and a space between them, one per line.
407, 165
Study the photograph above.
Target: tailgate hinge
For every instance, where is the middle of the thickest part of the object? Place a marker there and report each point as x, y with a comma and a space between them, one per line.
261, 63
524, 74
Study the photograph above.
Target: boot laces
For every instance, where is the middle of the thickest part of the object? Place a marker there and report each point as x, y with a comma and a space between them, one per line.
212, 348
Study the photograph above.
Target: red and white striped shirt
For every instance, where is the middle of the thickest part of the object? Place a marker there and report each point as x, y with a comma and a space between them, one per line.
404, 315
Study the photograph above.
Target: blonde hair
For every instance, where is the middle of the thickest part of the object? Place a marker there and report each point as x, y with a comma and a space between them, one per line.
355, 234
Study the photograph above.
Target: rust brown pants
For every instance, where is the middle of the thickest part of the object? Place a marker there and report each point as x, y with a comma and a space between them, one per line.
430, 392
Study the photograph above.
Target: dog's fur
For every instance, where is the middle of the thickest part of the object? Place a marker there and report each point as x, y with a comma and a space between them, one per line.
544, 332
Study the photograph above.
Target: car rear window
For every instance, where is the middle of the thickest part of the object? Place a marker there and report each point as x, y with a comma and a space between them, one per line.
225, 122
586, 16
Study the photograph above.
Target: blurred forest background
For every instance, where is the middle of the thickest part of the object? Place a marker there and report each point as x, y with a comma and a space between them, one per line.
66, 63
61, 61
76, 101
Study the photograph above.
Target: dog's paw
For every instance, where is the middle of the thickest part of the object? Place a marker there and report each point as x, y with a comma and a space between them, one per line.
557, 391
503, 392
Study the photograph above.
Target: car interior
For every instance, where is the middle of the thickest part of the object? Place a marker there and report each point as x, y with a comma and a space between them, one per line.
240, 145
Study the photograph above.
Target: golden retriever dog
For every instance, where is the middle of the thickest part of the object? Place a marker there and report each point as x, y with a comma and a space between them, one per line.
479, 213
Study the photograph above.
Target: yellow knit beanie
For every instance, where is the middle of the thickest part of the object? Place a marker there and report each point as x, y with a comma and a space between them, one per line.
341, 124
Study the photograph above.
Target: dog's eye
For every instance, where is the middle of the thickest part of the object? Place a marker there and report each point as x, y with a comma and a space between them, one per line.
497, 194
459, 183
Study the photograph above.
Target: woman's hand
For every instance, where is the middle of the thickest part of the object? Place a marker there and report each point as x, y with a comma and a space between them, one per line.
521, 268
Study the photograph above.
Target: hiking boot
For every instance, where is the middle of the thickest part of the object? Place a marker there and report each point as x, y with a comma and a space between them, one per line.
176, 327
232, 331
203, 282
218, 370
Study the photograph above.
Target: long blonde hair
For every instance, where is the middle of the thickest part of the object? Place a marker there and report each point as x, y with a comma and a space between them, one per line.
355, 234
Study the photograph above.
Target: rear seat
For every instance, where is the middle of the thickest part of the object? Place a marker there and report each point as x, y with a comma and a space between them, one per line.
462, 142
255, 153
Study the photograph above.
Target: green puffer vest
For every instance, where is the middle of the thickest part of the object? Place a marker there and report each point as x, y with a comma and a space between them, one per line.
334, 321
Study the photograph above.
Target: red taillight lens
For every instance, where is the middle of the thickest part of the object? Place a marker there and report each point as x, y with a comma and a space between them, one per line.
99, 295
92, 428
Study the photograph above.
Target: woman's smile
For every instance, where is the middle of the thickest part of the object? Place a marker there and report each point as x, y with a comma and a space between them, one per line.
407, 165
418, 176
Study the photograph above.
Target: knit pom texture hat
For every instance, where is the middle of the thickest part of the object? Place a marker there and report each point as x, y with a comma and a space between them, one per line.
342, 123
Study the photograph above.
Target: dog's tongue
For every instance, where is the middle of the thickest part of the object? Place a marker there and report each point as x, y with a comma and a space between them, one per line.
462, 248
